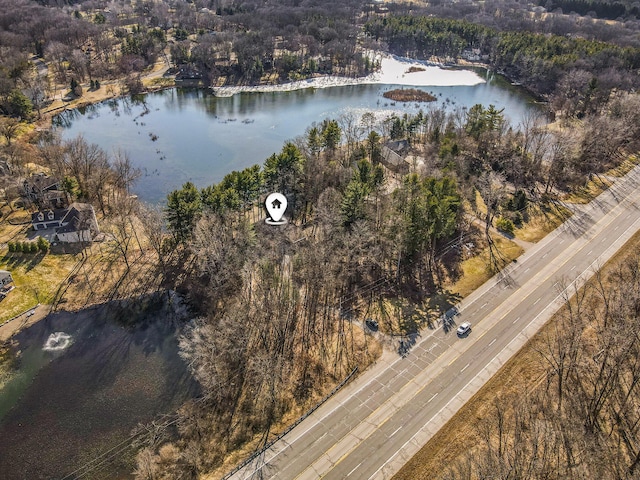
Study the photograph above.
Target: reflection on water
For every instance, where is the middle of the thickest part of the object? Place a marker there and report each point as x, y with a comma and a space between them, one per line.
70, 406
178, 135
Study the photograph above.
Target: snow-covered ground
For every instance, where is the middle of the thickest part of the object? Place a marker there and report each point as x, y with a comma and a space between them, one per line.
394, 71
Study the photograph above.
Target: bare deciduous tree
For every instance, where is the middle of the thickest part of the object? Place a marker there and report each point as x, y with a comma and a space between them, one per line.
492, 189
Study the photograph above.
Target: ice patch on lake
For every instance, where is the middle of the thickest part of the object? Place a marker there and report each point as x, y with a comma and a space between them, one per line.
393, 71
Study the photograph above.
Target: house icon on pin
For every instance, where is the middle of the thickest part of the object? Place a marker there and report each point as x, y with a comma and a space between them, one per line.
276, 204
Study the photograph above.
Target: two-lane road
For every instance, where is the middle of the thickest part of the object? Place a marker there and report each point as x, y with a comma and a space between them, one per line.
375, 424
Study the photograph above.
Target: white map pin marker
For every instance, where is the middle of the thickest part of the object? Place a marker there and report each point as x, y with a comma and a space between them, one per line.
276, 204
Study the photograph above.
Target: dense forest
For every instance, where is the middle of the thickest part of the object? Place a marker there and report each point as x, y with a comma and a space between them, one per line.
547, 64
277, 311
234, 43
610, 10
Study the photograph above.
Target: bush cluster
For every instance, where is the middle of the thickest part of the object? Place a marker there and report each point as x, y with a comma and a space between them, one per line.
39, 245
505, 225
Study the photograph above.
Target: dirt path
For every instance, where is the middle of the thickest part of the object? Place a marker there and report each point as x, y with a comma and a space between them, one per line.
525, 245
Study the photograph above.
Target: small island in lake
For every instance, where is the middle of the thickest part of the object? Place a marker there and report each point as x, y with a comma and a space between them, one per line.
409, 95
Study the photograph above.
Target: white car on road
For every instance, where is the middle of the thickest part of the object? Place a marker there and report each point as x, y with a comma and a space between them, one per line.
464, 329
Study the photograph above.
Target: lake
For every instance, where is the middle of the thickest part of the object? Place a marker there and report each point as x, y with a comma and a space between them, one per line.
84, 381
180, 135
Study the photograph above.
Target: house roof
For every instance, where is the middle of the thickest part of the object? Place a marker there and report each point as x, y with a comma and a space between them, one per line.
42, 182
391, 157
82, 207
58, 214
397, 145
78, 217
72, 226
53, 194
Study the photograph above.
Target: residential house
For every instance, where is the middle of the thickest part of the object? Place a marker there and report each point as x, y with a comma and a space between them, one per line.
392, 157
472, 54
5, 278
48, 218
6, 281
45, 191
378, 6
77, 223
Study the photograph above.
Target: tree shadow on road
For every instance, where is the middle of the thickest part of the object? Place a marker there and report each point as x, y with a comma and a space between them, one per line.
578, 224
406, 343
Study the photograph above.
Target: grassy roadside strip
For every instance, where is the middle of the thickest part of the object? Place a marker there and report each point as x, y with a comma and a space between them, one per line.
518, 376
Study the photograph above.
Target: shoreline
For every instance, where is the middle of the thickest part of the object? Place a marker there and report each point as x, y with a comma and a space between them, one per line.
394, 70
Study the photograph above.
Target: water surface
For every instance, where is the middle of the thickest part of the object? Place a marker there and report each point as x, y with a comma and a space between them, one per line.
178, 135
68, 407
